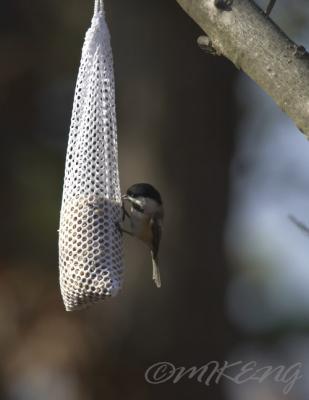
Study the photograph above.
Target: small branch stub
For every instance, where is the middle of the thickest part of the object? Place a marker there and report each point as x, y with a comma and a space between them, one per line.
224, 5
206, 45
270, 7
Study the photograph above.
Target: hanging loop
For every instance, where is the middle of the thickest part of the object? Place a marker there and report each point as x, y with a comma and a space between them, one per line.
98, 7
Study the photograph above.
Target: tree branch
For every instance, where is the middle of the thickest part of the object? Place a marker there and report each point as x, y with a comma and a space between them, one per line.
243, 33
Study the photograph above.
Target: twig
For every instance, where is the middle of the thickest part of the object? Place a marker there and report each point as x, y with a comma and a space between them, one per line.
299, 224
270, 6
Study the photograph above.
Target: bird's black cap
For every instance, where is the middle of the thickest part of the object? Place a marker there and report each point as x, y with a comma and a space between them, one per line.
144, 190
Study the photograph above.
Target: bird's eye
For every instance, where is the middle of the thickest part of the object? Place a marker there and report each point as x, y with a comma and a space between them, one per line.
138, 207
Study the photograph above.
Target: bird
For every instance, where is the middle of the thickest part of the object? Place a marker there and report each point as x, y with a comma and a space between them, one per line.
145, 220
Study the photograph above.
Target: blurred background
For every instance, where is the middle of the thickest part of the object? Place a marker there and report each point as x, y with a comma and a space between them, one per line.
231, 169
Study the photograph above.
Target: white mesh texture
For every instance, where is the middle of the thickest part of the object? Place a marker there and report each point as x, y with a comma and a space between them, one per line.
90, 245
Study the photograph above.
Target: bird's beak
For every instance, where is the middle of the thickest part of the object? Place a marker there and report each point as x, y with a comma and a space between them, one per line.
126, 197
130, 199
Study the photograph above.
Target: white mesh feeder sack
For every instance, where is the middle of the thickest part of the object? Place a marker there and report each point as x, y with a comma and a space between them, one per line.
90, 245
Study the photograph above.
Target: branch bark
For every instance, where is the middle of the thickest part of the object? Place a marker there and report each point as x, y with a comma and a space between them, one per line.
255, 44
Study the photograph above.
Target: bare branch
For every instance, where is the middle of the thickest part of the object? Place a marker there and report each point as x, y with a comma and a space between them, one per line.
245, 35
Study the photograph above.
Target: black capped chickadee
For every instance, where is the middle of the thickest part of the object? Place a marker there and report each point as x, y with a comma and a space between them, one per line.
146, 217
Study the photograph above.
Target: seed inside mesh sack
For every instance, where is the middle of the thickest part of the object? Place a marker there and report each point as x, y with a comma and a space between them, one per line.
90, 251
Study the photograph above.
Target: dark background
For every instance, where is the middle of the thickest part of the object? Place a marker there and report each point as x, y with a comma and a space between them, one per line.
177, 117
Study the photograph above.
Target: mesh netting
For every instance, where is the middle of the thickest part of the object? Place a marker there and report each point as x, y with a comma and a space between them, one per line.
90, 245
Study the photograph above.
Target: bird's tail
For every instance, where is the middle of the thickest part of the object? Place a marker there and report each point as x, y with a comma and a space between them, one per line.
156, 272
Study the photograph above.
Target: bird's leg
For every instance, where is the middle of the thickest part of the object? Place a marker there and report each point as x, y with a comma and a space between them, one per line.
270, 7
118, 224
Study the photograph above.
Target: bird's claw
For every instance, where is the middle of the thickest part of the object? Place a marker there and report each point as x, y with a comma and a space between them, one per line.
124, 213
